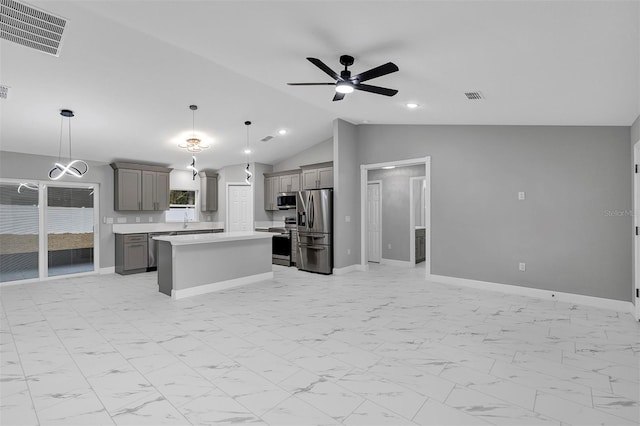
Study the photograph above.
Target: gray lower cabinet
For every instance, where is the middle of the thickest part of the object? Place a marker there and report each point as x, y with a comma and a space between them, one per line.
132, 253
421, 252
140, 187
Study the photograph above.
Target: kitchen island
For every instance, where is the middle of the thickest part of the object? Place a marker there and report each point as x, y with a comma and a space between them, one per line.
189, 265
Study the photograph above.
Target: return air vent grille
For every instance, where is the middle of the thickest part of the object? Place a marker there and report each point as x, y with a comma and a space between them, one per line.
473, 96
31, 27
266, 139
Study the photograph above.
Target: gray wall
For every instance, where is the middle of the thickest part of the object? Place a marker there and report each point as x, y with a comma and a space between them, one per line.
635, 131
318, 153
567, 230
346, 195
26, 166
395, 199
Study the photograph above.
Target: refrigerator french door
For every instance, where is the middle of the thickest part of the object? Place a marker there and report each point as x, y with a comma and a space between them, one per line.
314, 210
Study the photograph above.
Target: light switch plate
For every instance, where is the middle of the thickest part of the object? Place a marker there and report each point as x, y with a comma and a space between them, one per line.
347, 218
121, 220
109, 220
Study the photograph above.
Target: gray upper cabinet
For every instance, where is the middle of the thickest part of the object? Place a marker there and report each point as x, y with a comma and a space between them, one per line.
277, 182
271, 186
208, 191
317, 176
128, 189
140, 187
155, 191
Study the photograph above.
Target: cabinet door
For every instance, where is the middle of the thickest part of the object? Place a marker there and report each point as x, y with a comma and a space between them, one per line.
295, 183
285, 183
275, 188
268, 193
310, 179
128, 190
148, 190
162, 191
135, 255
325, 176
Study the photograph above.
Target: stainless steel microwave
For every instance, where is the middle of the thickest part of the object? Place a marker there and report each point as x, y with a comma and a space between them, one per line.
286, 200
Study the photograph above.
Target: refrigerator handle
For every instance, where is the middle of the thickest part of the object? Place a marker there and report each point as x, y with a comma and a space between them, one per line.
311, 211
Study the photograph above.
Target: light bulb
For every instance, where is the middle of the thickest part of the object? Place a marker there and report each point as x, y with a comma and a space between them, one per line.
344, 87
247, 151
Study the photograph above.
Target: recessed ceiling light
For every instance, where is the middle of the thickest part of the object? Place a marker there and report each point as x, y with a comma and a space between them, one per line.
282, 131
389, 167
411, 105
247, 151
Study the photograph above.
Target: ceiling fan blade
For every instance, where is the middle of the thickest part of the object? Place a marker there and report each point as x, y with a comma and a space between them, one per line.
375, 89
318, 63
384, 69
338, 96
311, 84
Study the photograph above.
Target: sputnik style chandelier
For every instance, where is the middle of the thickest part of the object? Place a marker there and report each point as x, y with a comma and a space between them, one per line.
193, 144
75, 168
247, 151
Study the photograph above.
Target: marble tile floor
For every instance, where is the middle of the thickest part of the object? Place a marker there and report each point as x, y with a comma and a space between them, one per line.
382, 347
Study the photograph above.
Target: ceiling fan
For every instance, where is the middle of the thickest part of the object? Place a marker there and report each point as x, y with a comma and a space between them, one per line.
345, 83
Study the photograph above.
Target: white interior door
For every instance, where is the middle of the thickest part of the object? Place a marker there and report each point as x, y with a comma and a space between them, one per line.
240, 208
636, 219
374, 208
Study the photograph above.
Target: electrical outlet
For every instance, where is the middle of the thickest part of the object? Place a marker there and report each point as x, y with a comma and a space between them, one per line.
122, 220
137, 219
348, 251
522, 266
150, 219
389, 246
109, 220
521, 196
347, 218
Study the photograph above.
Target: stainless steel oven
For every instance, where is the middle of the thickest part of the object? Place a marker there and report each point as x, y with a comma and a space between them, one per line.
281, 253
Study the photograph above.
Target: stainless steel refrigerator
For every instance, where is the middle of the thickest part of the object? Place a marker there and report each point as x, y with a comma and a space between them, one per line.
314, 210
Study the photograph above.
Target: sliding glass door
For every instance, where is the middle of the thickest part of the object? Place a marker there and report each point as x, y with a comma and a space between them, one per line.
19, 231
47, 229
70, 225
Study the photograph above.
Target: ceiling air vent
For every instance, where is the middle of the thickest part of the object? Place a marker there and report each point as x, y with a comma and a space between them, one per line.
472, 96
31, 27
4, 91
266, 139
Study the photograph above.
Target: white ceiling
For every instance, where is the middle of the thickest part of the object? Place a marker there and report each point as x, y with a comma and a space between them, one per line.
129, 69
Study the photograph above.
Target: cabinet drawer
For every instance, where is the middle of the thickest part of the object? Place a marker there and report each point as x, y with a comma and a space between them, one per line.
135, 238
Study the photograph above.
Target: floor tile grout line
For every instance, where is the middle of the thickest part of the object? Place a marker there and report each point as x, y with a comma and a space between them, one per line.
35, 411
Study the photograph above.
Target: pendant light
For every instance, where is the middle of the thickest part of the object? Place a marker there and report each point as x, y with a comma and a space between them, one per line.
193, 144
75, 168
192, 167
247, 150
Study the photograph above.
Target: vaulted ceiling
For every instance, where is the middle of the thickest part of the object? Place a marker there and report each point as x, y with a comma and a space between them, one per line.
130, 69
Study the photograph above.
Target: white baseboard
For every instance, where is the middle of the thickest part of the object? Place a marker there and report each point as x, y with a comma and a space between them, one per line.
222, 285
394, 262
348, 269
108, 270
578, 299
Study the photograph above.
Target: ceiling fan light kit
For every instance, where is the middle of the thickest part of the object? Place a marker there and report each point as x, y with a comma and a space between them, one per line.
345, 83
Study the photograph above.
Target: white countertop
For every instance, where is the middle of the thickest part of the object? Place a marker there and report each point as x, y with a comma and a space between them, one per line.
180, 240
137, 228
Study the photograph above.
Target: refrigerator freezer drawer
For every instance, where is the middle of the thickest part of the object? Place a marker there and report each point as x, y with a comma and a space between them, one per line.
314, 239
315, 258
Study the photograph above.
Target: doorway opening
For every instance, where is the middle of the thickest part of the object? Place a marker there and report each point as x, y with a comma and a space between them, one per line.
404, 242
239, 207
49, 229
